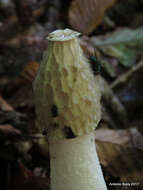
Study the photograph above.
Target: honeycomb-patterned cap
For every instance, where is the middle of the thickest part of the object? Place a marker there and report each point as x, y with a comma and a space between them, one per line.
66, 92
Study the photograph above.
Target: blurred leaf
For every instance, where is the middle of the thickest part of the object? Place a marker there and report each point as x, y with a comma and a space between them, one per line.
9, 129
24, 179
112, 136
14, 118
137, 139
129, 89
123, 36
126, 55
120, 152
86, 46
125, 44
30, 70
21, 175
109, 68
4, 105
38, 183
23, 96
91, 12
23, 83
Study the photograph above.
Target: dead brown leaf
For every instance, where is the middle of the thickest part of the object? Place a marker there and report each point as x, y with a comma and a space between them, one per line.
113, 136
9, 129
24, 179
85, 16
120, 152
30, 70
4, 105
23, 86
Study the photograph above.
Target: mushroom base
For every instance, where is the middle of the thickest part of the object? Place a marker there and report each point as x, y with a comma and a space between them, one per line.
75, 165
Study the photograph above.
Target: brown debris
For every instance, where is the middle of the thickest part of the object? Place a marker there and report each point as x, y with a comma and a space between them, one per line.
30, 70
4, 105
119, 155
9, 129
85, 16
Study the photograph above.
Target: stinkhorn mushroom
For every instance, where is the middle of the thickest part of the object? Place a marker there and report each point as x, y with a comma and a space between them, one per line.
67, 99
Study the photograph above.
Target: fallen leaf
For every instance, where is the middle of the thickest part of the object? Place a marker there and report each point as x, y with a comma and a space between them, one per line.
112, 136
124, 44
24, 84
120, 152
24, 179
4, 105
85, 16
9, 129
30, 70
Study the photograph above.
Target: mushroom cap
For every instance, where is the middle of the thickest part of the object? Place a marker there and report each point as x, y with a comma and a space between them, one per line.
62, 35
66, 84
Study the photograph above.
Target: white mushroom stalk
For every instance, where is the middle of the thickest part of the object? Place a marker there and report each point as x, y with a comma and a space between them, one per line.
67, 99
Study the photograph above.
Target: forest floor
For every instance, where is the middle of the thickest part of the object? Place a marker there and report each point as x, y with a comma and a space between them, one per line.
112, 39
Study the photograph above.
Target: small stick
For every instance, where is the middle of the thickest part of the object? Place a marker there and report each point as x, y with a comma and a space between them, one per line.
126, 77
